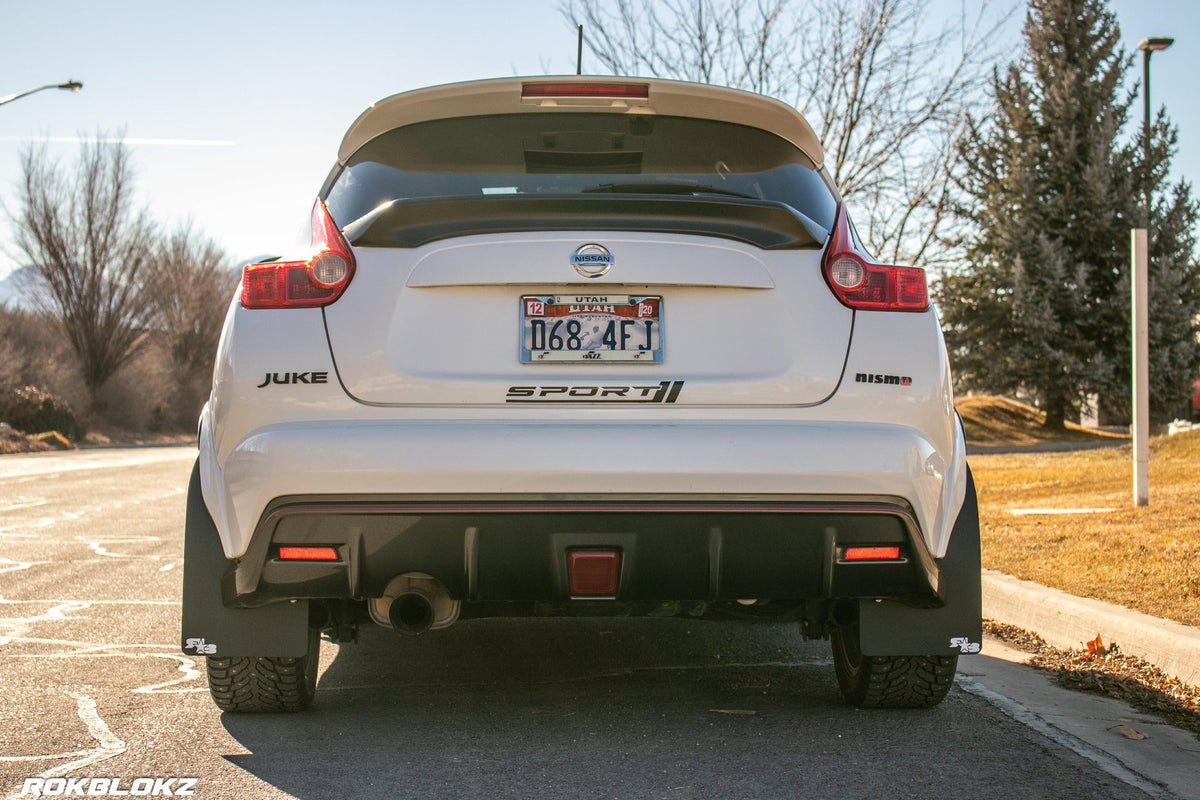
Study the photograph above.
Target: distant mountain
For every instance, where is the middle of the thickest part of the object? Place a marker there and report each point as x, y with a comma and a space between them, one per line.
14, 288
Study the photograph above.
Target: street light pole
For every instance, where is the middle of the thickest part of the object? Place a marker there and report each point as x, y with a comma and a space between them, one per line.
1148, 46
1139, 313
70, 86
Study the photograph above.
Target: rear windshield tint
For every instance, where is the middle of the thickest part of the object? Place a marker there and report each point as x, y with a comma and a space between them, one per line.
582, 155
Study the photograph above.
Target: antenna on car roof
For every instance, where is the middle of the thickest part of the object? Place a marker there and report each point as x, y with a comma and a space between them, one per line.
579, 53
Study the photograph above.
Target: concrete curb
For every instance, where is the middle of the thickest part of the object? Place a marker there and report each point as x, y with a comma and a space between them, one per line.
1064, 620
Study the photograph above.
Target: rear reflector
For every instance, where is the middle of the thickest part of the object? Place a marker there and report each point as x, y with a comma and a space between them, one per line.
308, 554
885, 553
593, 573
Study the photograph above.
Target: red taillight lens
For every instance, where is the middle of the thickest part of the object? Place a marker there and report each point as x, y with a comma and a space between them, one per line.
871, 553
860, 284
316, 281
629, 91
305, 553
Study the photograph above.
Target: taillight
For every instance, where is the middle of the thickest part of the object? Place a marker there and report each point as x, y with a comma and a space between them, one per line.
860, 284
316, 281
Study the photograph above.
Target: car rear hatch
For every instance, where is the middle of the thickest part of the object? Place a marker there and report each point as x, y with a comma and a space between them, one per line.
582, 256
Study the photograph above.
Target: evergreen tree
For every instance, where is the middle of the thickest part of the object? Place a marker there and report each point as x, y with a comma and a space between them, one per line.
1042, 307
1174, 282
1049, 190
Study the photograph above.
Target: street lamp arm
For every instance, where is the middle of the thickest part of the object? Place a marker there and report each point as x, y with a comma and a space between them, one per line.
71, 86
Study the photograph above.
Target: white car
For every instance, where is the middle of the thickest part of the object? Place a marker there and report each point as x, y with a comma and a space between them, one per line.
580, 346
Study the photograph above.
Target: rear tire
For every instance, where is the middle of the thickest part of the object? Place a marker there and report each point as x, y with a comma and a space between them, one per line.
888, 681
265, 683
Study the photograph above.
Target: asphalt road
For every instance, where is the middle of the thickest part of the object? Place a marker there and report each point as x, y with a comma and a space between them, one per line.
92, 685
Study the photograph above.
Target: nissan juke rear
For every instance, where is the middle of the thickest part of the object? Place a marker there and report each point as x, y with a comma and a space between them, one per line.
580, 347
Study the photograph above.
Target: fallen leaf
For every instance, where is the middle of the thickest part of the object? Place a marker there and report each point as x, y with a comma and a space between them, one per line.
1096, 647
1130, 733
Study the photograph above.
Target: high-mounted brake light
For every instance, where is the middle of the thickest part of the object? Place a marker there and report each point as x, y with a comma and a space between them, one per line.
631, 91
306, 553
316, 281
861, 284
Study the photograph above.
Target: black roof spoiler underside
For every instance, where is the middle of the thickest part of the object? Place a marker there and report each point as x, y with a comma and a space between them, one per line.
764, 224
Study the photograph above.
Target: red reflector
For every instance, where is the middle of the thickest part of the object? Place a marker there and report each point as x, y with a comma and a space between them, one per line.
593, 573
871, 554
308, 554
639, 91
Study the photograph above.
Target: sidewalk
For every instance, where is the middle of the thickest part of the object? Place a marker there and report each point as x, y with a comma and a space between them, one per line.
1066, 621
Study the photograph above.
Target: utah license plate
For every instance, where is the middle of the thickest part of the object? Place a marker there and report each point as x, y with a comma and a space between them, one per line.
608, 328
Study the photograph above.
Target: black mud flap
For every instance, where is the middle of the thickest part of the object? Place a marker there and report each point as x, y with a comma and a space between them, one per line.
211, 629
890, 628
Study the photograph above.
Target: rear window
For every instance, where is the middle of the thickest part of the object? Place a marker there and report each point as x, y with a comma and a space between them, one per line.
580, 156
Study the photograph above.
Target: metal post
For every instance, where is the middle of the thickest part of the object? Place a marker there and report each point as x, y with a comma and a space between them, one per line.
1139, 275
1139, 244
1146, 127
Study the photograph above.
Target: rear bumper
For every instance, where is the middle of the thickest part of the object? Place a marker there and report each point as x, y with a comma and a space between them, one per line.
557, 460
691, 550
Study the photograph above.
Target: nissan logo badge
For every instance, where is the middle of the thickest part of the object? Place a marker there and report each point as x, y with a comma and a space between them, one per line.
592, 260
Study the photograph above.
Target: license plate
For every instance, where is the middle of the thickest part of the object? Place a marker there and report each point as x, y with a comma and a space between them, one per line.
608, 329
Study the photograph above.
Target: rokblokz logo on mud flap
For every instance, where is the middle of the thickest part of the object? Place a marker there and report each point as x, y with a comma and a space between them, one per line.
108, 787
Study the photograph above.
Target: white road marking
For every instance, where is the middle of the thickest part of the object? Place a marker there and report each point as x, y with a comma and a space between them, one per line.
22, 502
109, 745
5, 600
71, 754
187, 666
96, 546
23, 530
184, 664
12, 628
8, 565
43, 466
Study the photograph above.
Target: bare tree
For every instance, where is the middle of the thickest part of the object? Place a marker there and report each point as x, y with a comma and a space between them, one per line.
189, 281
88, 247
885, 91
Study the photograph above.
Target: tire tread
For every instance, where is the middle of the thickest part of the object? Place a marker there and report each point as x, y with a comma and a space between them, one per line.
889, 681
260, 684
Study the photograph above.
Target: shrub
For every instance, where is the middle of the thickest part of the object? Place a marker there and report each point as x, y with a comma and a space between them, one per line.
31, 410
54, 440
13, 441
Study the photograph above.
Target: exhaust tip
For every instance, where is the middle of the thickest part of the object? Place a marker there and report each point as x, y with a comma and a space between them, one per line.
411, 613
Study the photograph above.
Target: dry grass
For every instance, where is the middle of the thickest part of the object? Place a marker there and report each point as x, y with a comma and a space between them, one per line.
1145, 558
998, 420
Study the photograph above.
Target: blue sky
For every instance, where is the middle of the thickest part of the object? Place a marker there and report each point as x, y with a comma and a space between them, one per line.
234, 110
